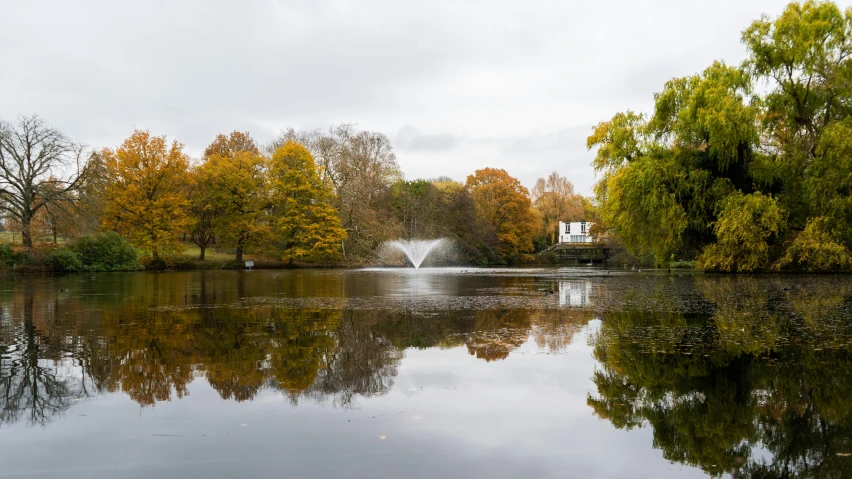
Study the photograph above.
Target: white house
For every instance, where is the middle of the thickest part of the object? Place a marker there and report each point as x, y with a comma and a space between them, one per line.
575, 232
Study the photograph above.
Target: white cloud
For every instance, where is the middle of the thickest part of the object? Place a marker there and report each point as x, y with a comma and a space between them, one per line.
471, 83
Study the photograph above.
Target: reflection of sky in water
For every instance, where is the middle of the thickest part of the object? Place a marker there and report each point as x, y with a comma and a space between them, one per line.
411, 282
445, 372
448, 415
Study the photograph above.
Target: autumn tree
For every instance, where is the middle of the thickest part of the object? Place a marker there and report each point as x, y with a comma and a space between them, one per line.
203, 209
361, 166
306, 223
57, 218
233, 143
39, 167
145, 200
231, 195
504, 203
555, 199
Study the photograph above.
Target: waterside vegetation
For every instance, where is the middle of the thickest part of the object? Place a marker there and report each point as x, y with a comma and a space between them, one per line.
742, 168
738, 169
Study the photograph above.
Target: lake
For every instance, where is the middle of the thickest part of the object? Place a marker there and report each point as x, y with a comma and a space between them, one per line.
457, 372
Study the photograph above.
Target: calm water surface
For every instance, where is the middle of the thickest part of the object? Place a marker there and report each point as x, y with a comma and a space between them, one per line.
436, 373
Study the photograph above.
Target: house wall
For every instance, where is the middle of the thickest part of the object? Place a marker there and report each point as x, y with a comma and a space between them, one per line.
577, 232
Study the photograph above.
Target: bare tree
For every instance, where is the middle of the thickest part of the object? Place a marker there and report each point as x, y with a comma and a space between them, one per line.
554, 197
39, 166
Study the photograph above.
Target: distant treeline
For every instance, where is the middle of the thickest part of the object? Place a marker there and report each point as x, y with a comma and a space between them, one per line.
315, 197
746, 167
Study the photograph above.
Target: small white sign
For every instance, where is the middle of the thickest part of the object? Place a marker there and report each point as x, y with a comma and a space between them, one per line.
249, 264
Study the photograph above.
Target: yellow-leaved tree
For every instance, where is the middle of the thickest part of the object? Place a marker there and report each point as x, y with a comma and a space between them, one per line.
233, 184
145, 200
505, 203
306, 225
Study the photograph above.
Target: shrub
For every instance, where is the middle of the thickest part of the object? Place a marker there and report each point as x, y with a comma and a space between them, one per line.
62, 259
743, 230
683, 263
107, 251
816, 250
7, 255
9, 258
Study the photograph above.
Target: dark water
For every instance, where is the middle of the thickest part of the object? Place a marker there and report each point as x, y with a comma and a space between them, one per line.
438, 373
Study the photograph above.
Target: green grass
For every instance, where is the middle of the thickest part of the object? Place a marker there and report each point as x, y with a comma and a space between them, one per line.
214, 256
15, 238
193, 251
689, 264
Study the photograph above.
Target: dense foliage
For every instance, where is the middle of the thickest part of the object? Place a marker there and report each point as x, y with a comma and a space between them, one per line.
144, 199
313, 197
742, 167
106, 251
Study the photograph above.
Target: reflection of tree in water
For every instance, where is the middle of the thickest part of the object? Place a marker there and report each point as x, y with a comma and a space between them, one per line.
155, 334
32, 386
755, 376
362, 363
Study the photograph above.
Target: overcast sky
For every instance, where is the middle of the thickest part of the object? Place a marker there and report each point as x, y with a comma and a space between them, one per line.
456, 85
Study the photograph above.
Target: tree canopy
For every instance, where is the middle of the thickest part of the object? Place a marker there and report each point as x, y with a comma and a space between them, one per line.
735, 162
307, 225
505, 204
145, 197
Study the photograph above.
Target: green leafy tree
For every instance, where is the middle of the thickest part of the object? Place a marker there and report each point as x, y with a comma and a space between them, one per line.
714, 140
743, 231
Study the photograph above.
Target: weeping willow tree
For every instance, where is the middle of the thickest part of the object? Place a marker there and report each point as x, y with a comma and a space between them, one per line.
738, 177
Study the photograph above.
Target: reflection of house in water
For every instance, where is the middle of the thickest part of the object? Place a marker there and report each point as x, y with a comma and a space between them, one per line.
574, 293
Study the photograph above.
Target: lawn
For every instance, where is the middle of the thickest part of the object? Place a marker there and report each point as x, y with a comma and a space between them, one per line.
193, 251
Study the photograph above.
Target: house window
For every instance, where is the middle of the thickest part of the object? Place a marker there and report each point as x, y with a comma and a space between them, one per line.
567, 228
582, 227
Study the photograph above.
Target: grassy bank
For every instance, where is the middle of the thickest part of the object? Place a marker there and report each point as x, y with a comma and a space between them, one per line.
113, 253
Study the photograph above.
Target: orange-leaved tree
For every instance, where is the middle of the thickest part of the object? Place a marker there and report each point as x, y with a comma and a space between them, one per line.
504, 202
145, 197
555, 199
306, 225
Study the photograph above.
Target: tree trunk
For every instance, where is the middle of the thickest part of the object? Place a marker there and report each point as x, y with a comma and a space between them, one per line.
239, 258
54, 236
26, 237
203, 249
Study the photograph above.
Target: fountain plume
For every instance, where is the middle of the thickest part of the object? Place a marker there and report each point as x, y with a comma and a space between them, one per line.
416, 250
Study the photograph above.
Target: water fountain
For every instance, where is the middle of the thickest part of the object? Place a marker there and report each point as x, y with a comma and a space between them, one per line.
416, 250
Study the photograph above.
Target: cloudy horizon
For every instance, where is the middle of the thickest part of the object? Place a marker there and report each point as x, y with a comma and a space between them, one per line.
456, 87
